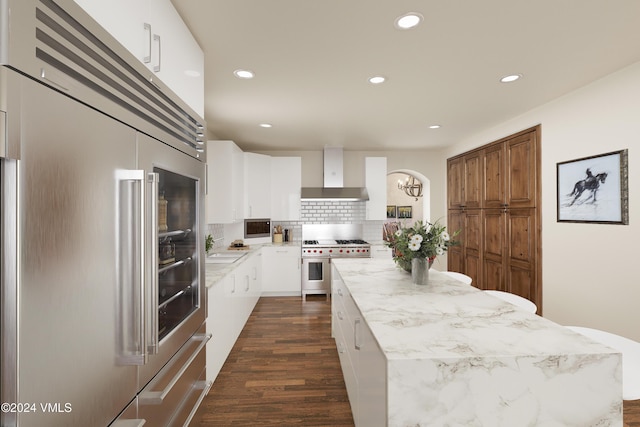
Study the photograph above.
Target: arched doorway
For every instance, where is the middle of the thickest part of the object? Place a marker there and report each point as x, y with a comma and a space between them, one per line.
421, 208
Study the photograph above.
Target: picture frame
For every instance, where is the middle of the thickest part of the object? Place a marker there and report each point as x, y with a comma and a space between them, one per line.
404, 212
594, 189
391, 211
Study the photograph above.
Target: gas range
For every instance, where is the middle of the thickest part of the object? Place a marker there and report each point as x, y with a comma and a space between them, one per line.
334, 241
336, 248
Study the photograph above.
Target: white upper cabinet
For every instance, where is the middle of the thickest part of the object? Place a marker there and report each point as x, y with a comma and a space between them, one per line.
286, 181
225, 183
154, 32
376, 182
257, 185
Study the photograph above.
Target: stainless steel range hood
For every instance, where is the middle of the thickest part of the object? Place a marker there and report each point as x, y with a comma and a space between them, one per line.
333, 181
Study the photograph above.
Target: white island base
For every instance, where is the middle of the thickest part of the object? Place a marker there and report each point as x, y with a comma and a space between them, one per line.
447, 354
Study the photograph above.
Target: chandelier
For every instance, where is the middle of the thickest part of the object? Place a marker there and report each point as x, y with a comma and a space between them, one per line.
411, 186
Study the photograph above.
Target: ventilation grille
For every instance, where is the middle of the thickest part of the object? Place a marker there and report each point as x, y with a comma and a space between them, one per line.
99, 77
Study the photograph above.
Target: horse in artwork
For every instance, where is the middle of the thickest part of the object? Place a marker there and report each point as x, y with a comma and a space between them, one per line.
592, 183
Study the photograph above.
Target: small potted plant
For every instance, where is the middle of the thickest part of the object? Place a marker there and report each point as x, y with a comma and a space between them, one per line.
208, 243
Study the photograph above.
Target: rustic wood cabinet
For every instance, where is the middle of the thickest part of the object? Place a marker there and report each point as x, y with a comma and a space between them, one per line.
463, 180
493, 198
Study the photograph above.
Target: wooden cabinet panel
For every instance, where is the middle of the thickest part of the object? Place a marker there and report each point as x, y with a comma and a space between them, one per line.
493, 196
455, 255
521, 282
455, 169
466, 257
473, 230
494, 177
472, 179
521, 235
494, 241
522, 170
494, 275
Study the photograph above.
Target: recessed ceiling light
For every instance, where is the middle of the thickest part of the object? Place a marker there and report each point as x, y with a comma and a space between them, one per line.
511, 78
243, 74
376, 80
408, 20
266, 125
434, 127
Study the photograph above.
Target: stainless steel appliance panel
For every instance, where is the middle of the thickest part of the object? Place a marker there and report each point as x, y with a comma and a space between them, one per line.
316, 276
73, 275
185, 211
257, 228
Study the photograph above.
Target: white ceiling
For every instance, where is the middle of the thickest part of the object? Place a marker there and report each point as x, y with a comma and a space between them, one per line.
312, 59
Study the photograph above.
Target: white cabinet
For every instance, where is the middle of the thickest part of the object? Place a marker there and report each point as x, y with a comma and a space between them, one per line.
230, 303
176, 57
220, 324
281, 274
225, 183
286, 182
153, 31
257, 185
364, 366
376, 183
380, 251
247, 288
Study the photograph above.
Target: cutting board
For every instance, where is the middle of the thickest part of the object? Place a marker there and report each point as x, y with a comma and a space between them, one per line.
239, 248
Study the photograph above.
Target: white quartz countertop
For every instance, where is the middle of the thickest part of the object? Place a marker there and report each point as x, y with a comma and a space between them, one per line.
448, 319
215, 272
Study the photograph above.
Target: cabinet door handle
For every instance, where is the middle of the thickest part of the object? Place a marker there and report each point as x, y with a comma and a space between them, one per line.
340, 315
356, 335
147, 58
156, 67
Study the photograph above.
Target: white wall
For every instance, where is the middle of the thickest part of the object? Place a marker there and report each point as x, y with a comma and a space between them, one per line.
589, 272
590, 275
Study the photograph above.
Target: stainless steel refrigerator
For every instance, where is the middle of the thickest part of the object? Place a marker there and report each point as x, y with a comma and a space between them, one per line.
101, 265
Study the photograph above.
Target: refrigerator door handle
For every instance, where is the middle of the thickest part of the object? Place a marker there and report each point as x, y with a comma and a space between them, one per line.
152, 310
132, 332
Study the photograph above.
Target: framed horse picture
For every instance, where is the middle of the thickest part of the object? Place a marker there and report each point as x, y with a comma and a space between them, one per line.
594, 189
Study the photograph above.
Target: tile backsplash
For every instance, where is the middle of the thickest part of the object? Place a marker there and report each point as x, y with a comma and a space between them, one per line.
317, 212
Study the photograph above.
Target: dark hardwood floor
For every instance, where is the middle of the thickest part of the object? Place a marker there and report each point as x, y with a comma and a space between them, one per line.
284, 371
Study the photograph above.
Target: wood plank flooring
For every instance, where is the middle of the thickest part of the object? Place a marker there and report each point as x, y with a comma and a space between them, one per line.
284, 371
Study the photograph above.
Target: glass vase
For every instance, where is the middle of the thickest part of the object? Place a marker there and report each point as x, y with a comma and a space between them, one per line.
420, 271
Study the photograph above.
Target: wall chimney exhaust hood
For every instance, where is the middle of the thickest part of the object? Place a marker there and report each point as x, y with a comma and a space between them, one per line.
333, 181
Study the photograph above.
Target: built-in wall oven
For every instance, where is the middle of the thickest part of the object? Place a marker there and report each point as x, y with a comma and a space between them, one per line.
323, 242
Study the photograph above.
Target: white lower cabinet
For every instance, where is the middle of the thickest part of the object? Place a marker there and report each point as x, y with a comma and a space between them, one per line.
281, 274
364, 366
380, 251
230, 303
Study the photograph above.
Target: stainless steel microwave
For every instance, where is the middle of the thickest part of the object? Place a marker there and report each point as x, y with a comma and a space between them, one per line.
257, 228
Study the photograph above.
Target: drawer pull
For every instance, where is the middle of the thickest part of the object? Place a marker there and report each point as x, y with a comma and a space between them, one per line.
156, 397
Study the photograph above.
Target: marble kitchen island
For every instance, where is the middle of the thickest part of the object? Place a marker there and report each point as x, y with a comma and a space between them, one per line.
447, 354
